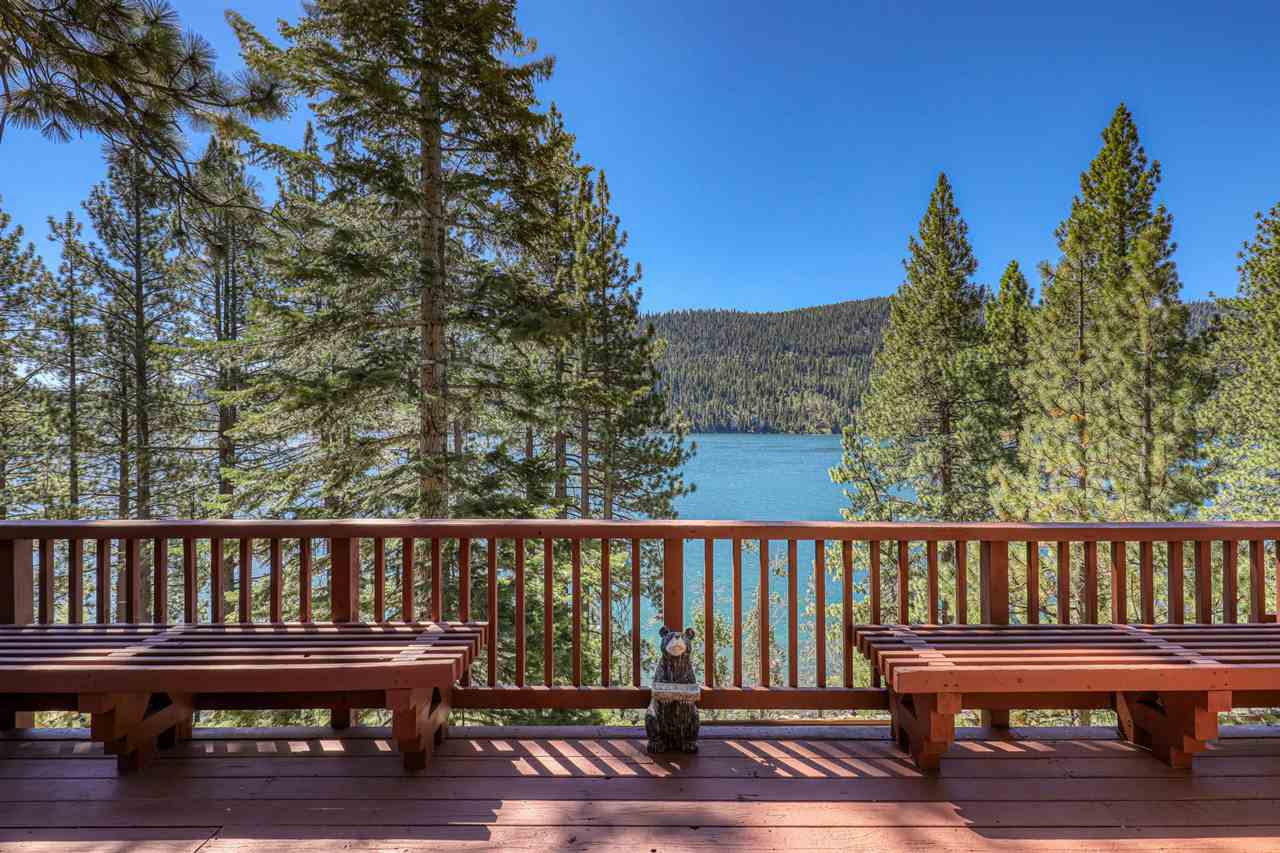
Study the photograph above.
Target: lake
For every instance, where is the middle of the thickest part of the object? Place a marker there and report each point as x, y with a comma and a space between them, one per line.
752, 477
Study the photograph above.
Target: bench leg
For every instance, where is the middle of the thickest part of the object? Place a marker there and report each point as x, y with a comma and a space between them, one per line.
131, 726
420, 726
924, 725
1174, 726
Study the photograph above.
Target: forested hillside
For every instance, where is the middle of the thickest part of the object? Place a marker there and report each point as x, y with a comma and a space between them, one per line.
798, 371
784, 371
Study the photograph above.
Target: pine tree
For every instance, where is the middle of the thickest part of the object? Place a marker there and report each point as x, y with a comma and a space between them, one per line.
67, 316
628, 456
144, 319
435, 129
23, 429
1246, 408
1113, 374
1007, 318
222, 247
121, 68
922, 444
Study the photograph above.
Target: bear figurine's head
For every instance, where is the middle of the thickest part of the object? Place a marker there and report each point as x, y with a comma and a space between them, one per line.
675, 643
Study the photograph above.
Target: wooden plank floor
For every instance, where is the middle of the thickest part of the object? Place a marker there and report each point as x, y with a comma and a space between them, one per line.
766, 788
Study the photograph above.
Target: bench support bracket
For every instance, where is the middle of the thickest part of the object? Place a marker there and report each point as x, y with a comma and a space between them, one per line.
132, 726
1173, 725
419, 722
924, 725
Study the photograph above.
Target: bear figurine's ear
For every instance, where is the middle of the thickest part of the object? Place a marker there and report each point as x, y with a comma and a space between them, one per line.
688, 633
663, 631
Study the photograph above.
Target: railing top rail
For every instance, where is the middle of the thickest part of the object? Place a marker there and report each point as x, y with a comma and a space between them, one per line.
656, 529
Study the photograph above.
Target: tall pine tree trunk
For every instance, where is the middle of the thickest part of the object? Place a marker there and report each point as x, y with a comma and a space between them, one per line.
433, 412
584, 466
73, 405
141, 414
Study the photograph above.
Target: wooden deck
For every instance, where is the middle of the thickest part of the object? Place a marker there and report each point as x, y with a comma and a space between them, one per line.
762, 788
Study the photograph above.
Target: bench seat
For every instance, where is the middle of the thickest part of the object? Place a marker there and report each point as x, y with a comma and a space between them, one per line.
1167, 683
141, 683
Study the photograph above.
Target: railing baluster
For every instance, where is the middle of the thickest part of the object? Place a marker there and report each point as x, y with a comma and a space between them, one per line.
246, 579
846, 627
437, 582
1257, 582
931, 565
132, 581
344, 579
874, 556
519, 617
1177, 598
762, 597
45, 608
737, 612
408, 585
491, 610
190, 603
75, 581
673, 583
1146, 581
464, 591
464, 579
793, 626
1033, 583
379, 579
304, 579
1091, 583
904, 582
102, 581
160, 580
216, 599
1204, 581
708, 612
635, 612
277, 581
1230, 580
962, 582
575, 557
606, 606
548, 611
820, 609
1119, 583
1064, 583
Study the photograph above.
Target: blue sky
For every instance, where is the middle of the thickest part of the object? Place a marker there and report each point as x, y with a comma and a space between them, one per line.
770, 155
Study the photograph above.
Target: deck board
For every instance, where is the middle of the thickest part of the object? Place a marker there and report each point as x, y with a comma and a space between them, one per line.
769, 788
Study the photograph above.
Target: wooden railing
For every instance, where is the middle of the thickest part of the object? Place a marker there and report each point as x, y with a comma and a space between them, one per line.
861, 572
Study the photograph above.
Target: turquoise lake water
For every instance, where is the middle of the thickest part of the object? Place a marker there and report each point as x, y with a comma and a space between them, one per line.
763, 478
758, 478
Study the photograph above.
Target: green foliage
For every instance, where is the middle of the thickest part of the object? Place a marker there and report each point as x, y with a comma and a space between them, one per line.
923, 441
1114, 376
1246, 409
1008, 317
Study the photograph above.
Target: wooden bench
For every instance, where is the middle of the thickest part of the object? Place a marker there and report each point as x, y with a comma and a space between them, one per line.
141, 683
1166, 683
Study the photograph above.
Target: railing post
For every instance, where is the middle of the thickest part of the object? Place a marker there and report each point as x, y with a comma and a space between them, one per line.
344, 599
994, 577
16, 607
673, 583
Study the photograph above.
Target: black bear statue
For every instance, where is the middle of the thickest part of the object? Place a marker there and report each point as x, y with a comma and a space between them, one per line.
671, 722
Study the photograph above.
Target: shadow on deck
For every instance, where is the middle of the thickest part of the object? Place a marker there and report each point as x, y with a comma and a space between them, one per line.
570, 788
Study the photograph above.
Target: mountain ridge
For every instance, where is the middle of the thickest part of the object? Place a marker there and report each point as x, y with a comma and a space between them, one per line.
799, 371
